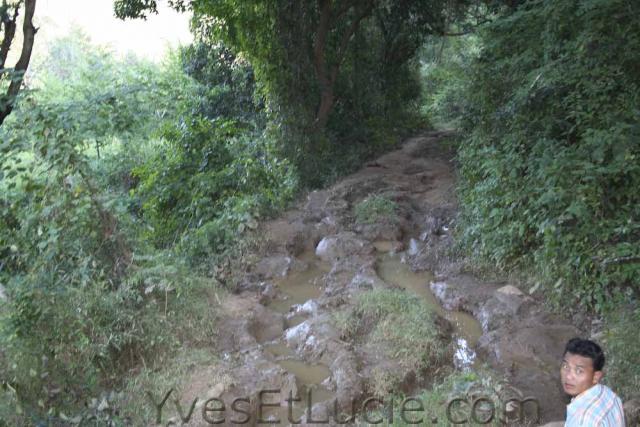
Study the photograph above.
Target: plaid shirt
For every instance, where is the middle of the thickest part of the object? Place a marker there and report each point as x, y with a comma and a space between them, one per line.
596, 407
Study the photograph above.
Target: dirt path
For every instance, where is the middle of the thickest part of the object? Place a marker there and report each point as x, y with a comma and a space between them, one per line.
278, 329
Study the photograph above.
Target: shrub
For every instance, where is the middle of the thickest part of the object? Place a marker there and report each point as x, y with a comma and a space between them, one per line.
548, 175
209, 183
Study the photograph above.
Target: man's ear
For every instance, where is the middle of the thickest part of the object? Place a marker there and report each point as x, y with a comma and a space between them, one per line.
597, 376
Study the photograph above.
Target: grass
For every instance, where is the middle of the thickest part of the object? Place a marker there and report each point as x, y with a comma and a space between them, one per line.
173, 375
457, 385
401, 326
622, 350
376, 208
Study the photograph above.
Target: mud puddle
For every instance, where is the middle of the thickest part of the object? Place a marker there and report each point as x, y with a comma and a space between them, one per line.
467, 330
309, 384
295, 299
299, 287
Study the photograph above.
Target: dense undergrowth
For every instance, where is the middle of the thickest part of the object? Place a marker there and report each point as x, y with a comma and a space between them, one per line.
547, 97
125, 185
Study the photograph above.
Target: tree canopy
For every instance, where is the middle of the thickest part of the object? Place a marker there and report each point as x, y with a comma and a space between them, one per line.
300, 49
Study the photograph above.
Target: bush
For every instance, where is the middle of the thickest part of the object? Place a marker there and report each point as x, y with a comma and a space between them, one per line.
207, 184
83, 306
548, 175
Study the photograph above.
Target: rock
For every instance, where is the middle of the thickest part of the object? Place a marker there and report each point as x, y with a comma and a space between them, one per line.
103, 406
268, 293
3, 293
499, 310
413, 247
316, 204
511, 290
447, 296
333, 248
632, 412
309, 307
298, 334
278, 266
366, 281
312, 337
432, 225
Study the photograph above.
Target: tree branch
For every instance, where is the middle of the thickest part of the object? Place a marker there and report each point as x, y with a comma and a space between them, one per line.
9, 31
621, 260
29, 33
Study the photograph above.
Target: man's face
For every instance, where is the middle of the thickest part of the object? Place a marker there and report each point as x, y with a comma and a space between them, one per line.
577, 374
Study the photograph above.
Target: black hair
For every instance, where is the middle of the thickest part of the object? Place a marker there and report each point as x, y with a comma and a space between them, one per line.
586, 348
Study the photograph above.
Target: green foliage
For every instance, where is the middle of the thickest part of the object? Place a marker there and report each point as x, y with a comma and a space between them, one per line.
444, 65
86, 301
550, 170
376, 208
208, 184
226, 83
363, 62
105, 97
623, 352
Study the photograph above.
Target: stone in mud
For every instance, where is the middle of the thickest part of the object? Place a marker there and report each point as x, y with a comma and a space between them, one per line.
448, 297
310, 337
278, 266
511, 290
414, 247
382, 230
500, 310
342, 245
267, 293
347, 379
316, 205
632, 412
366, 280
433, 225
309, 307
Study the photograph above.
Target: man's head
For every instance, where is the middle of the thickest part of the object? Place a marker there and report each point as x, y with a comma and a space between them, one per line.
582, 365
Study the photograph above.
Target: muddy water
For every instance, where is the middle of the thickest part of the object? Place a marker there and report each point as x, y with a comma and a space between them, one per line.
306, 373
299, 287
309, 379
294, 291
279, 350
467, 329
384, 245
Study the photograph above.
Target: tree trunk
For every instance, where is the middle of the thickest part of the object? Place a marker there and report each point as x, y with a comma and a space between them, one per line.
327, 75
29, 33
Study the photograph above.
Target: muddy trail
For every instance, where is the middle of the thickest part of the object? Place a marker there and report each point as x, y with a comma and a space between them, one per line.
278, 329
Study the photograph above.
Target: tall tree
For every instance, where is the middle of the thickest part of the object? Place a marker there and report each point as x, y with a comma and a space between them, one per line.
12, 78
289, 40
